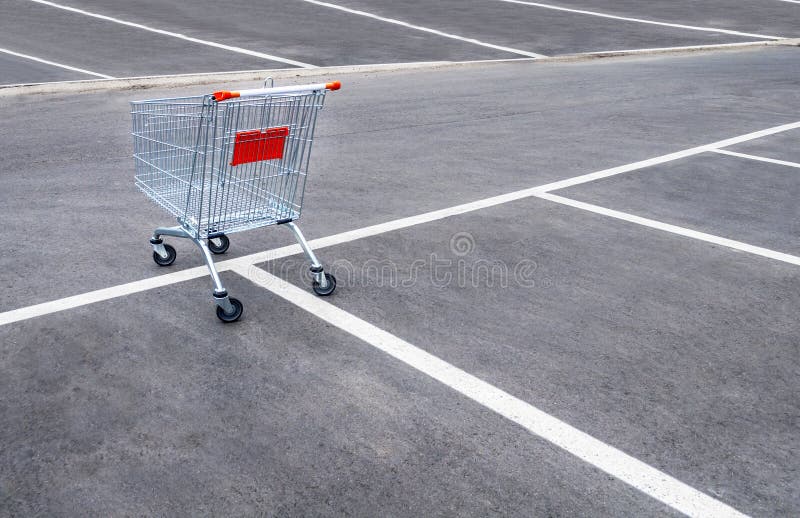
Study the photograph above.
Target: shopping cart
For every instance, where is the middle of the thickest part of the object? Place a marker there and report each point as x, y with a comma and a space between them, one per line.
227, 162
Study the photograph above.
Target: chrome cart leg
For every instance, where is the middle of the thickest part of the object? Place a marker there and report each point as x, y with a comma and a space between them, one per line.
324, 283
229, 309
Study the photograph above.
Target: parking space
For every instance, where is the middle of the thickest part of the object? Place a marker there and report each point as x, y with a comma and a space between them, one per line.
778, 147
85, 226
674, 351
144, 37
17, 69
545, 31
109, 48
732, 197
773, 17
488, 350
139, 409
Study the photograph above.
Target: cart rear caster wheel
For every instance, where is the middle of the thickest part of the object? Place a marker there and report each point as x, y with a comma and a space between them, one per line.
169, 259
232, 317
220, 248
327, 290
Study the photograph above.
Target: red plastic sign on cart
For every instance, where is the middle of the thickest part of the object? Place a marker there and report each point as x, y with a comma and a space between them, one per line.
258, 145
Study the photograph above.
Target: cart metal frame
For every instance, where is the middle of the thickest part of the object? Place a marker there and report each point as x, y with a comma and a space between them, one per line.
228, 162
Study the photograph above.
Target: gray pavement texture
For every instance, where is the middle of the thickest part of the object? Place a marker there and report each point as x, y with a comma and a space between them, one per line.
770, 17
136, 412
16, 70
732, 197
540, 30
109, 48
430, 139
323, 36
783, 146
679, 352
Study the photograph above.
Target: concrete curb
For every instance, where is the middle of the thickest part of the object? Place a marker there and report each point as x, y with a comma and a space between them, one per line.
184, 80
677, 50
146, 82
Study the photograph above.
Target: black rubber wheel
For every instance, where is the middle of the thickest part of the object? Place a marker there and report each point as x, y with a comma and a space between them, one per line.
233, 317
165, 261
223, 245
328, 289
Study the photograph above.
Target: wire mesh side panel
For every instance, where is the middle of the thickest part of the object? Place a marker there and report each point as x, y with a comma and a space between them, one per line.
229, 166
169, 144
257, 171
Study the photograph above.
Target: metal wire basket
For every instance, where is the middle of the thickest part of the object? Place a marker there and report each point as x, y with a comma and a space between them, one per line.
227, 162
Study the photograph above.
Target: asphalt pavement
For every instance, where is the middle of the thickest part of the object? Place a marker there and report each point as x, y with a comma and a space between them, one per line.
122, 39
678, 352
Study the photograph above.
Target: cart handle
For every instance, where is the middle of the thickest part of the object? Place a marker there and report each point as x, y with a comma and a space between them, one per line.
224, 94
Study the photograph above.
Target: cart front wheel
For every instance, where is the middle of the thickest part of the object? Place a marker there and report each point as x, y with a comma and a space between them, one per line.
219, 244
327, 290
238, 308
169, 259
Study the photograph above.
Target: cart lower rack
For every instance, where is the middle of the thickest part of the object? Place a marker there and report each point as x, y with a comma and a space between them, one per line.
227, 162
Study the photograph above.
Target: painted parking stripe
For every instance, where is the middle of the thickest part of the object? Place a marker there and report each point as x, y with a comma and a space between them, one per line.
757, 158
569, 182
642, 20
616, 463
130, 288
84, 299
222, 46
54, 306
425, 29
193, 78
674, 229
54, 64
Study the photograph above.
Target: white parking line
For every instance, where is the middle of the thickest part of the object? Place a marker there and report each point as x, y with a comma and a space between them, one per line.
616, 463
642, 20
53, 63
426, 29
569, 182
84, 299
54, 306
758, 158
674, 229
231, 48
